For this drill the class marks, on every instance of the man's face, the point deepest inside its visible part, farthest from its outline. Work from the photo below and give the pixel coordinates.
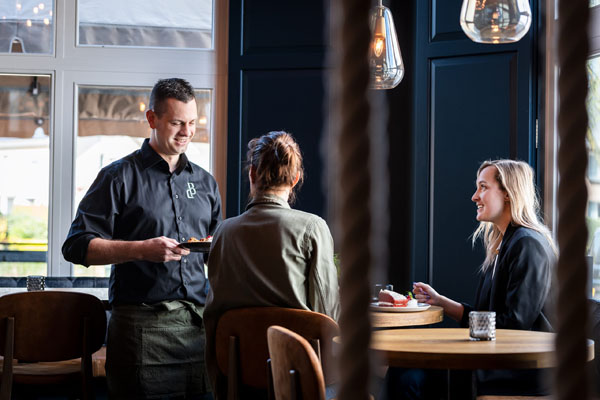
(174, 128)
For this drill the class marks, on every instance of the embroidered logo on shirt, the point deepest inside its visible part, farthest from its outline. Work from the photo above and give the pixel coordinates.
(191, 190)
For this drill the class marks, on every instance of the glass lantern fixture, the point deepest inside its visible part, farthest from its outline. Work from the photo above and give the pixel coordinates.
(495, 21)
(385, 59)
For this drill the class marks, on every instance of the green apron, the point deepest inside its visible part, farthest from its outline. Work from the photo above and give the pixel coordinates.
(156, 351)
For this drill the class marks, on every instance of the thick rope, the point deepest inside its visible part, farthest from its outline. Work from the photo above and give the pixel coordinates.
(350, 166)
(571, 379)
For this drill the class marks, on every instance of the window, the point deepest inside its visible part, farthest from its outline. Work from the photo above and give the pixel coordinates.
(592, 142)
(27, 26)
(183, 24)
(24, 162)
(67, 110)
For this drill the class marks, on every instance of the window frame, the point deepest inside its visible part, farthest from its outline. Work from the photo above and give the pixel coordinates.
(71, 66)
(551, 104)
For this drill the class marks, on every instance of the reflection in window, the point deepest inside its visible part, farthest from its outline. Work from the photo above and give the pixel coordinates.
(593, 143)
(26, 26)
(594, 3)
(112, 124)
(182, 24)
(24, 184)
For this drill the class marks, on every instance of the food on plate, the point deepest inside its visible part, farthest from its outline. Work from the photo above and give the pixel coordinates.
(389, 298)
(206, 239)
(412, 302)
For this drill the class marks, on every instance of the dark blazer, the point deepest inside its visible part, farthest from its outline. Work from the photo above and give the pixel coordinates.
(520, 292)
(519, 289)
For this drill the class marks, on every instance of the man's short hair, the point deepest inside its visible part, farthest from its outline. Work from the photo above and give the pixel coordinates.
(170, 88)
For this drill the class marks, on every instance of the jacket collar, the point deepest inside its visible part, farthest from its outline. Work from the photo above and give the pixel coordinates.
(510, 230)
(268, 199)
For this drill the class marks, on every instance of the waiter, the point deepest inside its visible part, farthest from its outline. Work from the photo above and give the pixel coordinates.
(134, 216)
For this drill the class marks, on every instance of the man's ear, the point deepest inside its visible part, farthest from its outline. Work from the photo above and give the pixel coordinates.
(252, 174)
(151, 118)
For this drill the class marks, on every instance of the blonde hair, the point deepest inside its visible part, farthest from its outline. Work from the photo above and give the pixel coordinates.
(516, 179)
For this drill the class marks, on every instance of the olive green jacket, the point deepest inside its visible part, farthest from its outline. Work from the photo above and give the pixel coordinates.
(271, 256)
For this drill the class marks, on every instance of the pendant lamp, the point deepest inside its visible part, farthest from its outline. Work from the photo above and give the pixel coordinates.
(495, 21)
(385, 60)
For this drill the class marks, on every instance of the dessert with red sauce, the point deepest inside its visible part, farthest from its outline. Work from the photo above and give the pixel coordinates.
(389, 298)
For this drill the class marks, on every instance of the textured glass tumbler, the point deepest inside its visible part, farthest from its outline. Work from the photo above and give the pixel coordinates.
(482, 325)
(36, 282)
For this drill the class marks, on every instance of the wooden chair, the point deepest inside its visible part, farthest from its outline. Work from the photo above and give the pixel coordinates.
(297, 372)
(242, 350)
(41, 333)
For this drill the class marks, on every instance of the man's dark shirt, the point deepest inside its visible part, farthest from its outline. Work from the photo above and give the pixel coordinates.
(137, 198)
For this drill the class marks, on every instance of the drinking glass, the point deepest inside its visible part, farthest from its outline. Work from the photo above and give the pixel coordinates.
(482, 325)
(36, 282)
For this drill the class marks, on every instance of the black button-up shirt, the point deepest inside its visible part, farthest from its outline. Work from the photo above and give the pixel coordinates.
(138, 198)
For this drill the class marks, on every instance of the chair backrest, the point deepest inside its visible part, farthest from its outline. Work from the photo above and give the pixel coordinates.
(49, 325)
(297, 372)
(249, 326)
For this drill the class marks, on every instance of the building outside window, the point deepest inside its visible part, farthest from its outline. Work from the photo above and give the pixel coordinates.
(592, 142)
(75, 78)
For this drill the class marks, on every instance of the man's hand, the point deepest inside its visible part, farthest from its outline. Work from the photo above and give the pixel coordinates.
(162, 249)
(159, 249)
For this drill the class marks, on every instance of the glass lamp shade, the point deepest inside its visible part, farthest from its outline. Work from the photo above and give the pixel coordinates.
(385, 60)
(495, 21)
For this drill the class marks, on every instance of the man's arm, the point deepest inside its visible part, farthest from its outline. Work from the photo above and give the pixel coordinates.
(160, 249)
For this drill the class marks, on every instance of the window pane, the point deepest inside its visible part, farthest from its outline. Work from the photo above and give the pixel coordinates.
(593, 143)
(25, 166)
(594, 3)
(182, 24)
(26, 26)
(112, 124)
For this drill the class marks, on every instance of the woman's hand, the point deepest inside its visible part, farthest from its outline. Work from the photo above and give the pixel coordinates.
(426, 294)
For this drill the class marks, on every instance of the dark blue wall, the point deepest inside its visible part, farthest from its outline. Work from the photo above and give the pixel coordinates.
(276, 61)
(472, 102)
(458, 104)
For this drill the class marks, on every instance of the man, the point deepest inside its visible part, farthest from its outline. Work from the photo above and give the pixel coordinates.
(134, 215)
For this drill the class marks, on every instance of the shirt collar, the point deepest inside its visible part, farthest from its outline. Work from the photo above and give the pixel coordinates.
(151, 158)
(268, 199)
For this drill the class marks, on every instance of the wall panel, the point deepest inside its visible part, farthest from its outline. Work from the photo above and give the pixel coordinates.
(277, 100)
(473, 102)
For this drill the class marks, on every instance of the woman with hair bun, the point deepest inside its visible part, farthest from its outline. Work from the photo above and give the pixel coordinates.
(271, 255)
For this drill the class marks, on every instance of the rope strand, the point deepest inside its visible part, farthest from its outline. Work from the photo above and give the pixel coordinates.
(571, 379)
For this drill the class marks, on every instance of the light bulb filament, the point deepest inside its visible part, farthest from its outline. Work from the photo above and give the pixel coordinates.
(378, 46)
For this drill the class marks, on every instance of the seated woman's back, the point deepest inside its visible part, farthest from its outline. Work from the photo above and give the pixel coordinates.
(272, 255)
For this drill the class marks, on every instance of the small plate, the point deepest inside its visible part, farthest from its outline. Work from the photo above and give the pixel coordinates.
(196, 247)
(420, 307)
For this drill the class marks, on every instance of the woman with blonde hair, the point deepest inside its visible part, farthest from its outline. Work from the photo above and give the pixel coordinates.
(517, 271)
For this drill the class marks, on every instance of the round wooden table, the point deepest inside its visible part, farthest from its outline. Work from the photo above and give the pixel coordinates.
(451, 348)
(386, 319)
